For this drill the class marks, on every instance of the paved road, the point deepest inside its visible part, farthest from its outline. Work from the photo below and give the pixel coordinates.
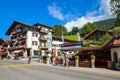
(41, 72)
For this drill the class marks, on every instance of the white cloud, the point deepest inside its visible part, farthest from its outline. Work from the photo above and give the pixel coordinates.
(102, 13)
(55, 11)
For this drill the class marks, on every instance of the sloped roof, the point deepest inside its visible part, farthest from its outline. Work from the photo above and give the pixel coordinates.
(110, 43)
(3, 40)
(14, 24)
(42, 25)
(93, 32)
(90, 48)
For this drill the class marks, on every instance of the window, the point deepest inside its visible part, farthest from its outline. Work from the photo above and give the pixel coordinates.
(115, 57)
(35, 34)
(35, 43)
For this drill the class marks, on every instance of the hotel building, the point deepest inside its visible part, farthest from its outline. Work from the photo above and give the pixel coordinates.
(26, 39)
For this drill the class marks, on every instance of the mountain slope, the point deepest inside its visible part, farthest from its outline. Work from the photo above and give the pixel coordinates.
(105, 24)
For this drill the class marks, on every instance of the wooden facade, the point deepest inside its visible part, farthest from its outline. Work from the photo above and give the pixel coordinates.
(96, 34)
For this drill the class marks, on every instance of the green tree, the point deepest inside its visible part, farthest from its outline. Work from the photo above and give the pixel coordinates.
(115, 9)
(116, 31)
(75, 30)
(87, 28)
(105, 38)
(59, 30)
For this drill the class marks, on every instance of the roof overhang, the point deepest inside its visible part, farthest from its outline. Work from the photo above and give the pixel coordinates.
(83, 49)
(14, 24)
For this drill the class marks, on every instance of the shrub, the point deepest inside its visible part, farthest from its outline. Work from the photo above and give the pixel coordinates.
(92, 56)
(87, 43)
(77, 57)
(46, 56)
(53, 56)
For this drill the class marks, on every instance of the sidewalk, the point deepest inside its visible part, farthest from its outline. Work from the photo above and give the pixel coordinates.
(96, 70)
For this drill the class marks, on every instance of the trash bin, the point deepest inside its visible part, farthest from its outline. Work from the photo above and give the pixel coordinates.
(110, 65)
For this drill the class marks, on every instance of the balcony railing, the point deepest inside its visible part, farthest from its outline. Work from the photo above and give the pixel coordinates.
(22, 38)
(43, 39)
(42, 47)
(18, 47)
(13, 40)
(44, 31)
(15, 32)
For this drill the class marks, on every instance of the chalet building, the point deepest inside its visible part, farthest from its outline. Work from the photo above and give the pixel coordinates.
(26, 39)
(113, 46)
(102, 54)
(96, 34)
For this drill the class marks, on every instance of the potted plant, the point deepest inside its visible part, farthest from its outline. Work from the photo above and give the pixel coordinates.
(53, 58)
(77, 61)
(40, 59)
(47, 59)
(92, 57)
(117, 65)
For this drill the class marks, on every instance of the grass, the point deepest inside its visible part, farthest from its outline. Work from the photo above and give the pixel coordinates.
(72, 37)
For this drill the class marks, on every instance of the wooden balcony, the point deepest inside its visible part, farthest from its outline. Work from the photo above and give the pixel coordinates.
(43, 39)
(17, 47)
(42, 47)
(15, 32)
(22, 38)
(13, 40)
(44, 31)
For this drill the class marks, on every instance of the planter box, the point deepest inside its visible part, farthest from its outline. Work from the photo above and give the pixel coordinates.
(110, 65)
(116, 65)
(77, 63)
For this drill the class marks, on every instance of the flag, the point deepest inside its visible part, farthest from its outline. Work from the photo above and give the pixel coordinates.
(62, 39)
(78, 35)
(55, 51)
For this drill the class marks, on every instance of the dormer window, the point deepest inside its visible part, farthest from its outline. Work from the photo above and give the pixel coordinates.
(39, 26)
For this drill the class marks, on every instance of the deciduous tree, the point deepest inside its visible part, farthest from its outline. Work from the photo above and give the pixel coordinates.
(115, 9)
(59, 30)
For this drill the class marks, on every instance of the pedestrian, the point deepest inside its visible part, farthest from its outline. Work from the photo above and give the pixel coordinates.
(29, 59)
(67, 62)
(64, 61)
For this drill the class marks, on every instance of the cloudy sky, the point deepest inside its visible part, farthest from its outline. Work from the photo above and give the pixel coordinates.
(50, 12)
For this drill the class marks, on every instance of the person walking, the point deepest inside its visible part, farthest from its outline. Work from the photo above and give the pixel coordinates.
(29, 59)
(64, 61)
(29, 56)
(67, 62)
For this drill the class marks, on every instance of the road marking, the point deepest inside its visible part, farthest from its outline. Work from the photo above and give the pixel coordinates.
(6, 67)
(13, 65)
(17, 65)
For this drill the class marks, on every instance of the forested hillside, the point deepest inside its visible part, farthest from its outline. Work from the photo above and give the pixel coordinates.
(105, 24)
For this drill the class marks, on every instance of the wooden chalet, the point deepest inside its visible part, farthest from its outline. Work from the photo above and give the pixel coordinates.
(96, 34)
(102, 54)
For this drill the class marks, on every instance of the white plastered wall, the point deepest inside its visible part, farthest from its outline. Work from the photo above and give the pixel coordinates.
(113, 50)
